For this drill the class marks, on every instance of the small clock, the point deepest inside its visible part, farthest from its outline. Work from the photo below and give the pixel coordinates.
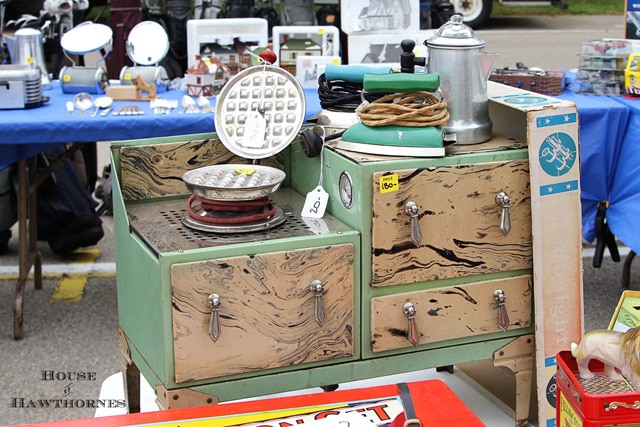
(346, 189)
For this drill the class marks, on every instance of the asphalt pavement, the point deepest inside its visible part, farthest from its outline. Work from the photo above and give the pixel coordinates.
(71, 344)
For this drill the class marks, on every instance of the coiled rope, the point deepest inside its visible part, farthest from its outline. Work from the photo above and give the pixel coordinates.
(413, 109)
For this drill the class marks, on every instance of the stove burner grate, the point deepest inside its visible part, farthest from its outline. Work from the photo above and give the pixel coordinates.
(212, 213)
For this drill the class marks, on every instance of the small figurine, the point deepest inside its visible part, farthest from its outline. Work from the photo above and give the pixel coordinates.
(618, 351)
(143, 87)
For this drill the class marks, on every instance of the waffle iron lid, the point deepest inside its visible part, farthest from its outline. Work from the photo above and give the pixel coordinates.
(260, 111)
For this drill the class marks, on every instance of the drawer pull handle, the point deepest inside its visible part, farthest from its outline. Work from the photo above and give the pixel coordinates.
(412, 209)
(503, 317)
(318, 291)
(214, 321)
(502, 199)
(409, 310)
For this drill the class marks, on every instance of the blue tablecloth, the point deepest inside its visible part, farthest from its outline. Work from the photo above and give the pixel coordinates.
(610, 163)
(24, 133)
(623, 214)
(603, 123)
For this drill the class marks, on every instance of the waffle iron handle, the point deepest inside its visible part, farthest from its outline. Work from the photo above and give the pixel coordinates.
(401, 82)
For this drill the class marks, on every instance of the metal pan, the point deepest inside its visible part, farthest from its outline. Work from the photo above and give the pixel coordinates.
(233, 181)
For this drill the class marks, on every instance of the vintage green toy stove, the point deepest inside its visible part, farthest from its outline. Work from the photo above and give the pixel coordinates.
(417, 263)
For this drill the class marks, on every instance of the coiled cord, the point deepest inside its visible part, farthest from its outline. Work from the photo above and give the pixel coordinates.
(413, 109)
(340, 95)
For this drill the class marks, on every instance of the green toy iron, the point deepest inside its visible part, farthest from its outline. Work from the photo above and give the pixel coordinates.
(396, 140)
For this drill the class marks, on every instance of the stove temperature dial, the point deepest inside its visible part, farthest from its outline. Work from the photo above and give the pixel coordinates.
(346, 189)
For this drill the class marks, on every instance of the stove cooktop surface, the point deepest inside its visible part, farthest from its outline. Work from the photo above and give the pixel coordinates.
(160, 225)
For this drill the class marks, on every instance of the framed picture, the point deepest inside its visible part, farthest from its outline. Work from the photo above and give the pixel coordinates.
(309, 68)
(380, 16)
(632, 18)
(627, 314)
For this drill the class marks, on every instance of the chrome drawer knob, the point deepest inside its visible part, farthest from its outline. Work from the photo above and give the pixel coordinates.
(503, 200)
(214, 320)
(412, 209)
(503, 318)
(409, 310)
(318, 291)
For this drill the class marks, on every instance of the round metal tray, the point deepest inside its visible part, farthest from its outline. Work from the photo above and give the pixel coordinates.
(233, 181)
(274, 96)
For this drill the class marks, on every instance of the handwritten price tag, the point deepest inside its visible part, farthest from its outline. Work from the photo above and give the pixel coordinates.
(255, 131)
(316, 203)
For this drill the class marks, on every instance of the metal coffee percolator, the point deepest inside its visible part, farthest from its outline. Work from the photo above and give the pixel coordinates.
(464, 68)
(27, 48)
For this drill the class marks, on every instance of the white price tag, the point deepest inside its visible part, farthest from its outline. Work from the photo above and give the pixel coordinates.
(254, 131)
(315, 203)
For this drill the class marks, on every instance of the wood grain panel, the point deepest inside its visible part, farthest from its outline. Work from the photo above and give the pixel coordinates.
(152, 171)
(459, 220)
(451, 312)
(266, 314)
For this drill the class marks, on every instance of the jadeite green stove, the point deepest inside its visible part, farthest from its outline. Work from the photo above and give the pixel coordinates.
(417, 263)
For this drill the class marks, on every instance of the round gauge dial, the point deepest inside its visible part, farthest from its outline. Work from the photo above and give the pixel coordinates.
(346, 190)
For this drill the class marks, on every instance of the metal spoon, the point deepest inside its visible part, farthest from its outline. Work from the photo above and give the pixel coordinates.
(101, 102)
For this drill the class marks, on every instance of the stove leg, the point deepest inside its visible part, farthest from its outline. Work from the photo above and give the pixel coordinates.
(182, 398)
(518, 357)
(130, 377)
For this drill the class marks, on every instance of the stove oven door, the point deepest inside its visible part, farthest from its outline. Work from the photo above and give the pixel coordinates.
(276, 310)
(450, 221)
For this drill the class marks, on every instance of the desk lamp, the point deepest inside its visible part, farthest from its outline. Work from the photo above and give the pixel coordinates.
(86, 38)
(147, 45)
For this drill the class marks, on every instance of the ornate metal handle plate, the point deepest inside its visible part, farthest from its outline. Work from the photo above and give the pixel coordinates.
(503, 318)
(503, 200)
(412, 209)
(318, 291)
(409, 310)
(214, 320)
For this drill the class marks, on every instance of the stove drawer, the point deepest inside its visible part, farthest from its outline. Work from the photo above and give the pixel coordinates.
(451, 312)
(458, 215)
(268, 316)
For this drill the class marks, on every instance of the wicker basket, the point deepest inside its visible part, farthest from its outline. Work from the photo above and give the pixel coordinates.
(549, 83)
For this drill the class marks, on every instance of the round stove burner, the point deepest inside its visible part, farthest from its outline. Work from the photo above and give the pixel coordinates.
(224, 212)
(215, 221)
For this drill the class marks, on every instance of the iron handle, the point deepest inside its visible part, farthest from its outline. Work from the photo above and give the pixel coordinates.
(214, 320)
(412, 209)
(503, 200)
(413, 336)
(503, 318)
(318, 291)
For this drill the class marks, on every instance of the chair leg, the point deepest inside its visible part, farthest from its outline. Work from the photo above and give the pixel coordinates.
(626, 270)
